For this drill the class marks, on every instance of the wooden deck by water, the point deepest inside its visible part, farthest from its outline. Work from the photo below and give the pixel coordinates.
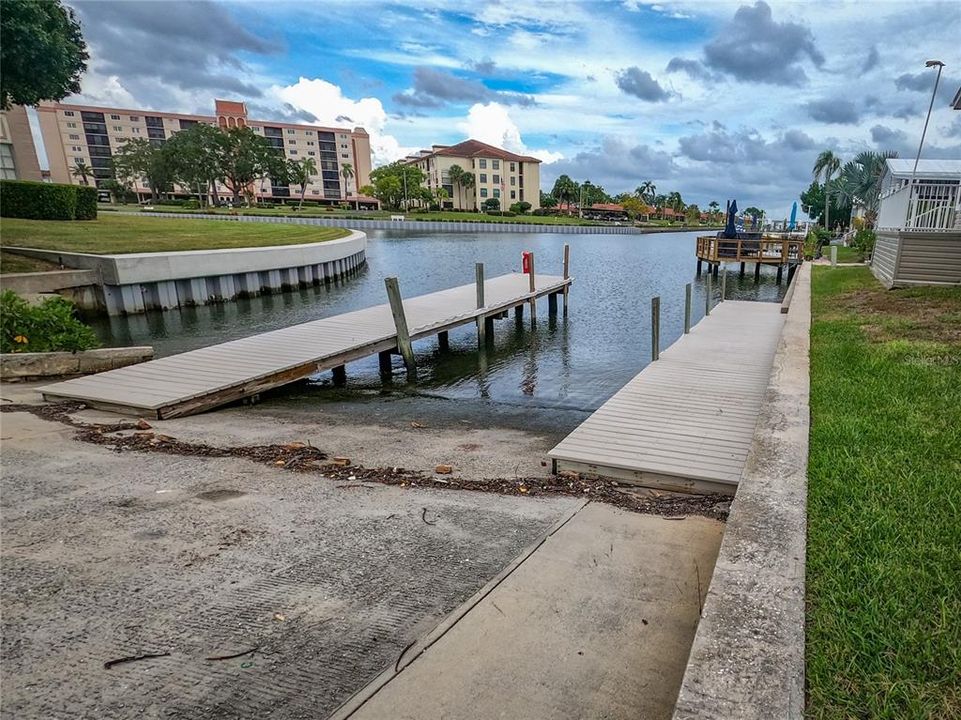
(685, 422)
(202, 379)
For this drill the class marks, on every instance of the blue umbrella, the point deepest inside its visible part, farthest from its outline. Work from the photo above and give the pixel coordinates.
(793, 216)
(730, 230)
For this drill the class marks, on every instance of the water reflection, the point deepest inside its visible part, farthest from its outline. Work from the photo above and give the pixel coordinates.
(576, 362)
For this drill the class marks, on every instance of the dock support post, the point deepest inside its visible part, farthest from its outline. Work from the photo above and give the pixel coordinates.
(723, 284)
(699, 263)
(443, 341)
(567, 274)
(400, 324)
(708, 291)
(655, 327)
(533, 300)
(552, 304)
(687, 308)
(717, 267)
(834, 256)
(780, 273)
(757, 272)
(481, 321)
(742, 269)
(519, 312)
(791, 269)
(383, 359)
(340, 375)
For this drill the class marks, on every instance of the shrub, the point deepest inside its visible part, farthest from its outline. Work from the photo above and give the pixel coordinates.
(86, 203)
(520, 207)
(541, 211)
(191, 204)
(492, 204)
(864, 240)
(37, 200)
(48, 327)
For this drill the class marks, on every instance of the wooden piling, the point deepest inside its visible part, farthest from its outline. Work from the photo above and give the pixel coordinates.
(655, 327)
(780, 273)
(443, 341)
(709, 290)
(757, 272)
(742, 269)
(533, 300)
(567, 273)
(699, 267)
(717, 267)
(552, 304)
(723, 284)
(687, 308)
(340, 374)
(481, 324)
(400, 325)
(384, 360)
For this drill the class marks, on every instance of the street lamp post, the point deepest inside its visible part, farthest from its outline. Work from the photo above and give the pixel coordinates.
(930, 63)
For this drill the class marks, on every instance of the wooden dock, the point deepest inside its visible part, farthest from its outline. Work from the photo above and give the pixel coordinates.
(686, 421)
(782, 252)
(199, 380)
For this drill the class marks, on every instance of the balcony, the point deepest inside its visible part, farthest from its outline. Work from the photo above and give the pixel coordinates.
(923, 206)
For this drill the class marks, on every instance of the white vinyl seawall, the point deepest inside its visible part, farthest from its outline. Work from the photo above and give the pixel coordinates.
(135, 282)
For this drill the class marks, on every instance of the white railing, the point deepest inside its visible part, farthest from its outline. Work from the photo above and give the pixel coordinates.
(931, 206)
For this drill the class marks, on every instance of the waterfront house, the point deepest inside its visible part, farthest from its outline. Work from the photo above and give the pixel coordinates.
(919, 224)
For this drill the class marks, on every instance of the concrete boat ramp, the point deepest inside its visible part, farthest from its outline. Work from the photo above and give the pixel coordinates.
(202, 379)
(685, 422)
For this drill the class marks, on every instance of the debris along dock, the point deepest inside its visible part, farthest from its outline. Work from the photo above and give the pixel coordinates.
(199, 380)
(686, 421)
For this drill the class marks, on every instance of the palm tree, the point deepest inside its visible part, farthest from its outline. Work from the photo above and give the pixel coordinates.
(859, 181)
(675, 202)
(347, 171)
(81, 170)
(456, 174)
(646, 191)
(300, 172)
(441, 195)
(467, 182)
(825, 166)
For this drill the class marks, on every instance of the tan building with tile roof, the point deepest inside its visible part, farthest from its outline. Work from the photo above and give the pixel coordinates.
(498, 173)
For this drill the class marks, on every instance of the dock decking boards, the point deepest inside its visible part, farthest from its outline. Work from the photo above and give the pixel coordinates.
(199, 380)
(686, 421)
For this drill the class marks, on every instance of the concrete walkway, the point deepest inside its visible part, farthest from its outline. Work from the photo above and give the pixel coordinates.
(596, 622)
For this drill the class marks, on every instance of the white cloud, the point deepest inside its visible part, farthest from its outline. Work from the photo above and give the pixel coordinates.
(491, 123)
(333, 109)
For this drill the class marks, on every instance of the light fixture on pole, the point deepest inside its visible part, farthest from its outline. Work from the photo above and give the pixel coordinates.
(930, 63)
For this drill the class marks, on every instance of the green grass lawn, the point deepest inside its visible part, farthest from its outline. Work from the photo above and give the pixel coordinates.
(129, 234)
(848, 255)
(12, 263)
(884, 513)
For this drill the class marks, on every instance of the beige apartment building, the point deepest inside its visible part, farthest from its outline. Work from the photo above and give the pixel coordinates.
(18, 157)
(500, 174)
(91, 135)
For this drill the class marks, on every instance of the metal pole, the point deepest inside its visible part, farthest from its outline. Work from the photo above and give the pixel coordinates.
(723, 283)
(533, 289)
(917, 159)
(567, 273)
(707, 296)
(655, 327)
(687, 308)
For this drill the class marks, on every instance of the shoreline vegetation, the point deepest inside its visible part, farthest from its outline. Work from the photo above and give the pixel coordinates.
(884, 570)
(129, 234)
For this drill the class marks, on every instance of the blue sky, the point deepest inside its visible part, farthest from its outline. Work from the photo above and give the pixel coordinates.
(714, 99)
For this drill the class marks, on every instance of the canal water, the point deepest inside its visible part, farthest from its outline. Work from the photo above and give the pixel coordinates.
(573, 364)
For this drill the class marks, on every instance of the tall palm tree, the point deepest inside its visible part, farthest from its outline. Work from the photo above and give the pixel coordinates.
(347, 171)
(467, 182)
(300, 171)
(81, 170)
(646, 191)
(825, 166)
(859, 181)
(456, 174)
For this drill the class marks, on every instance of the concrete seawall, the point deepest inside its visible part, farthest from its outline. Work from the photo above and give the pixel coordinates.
(429, 225)
(132, 283)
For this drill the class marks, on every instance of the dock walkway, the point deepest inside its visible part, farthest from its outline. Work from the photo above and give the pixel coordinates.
(199, 380)
(685, 422)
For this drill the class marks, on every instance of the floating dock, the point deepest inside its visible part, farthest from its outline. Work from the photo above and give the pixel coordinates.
(199, 380)
(686, 421)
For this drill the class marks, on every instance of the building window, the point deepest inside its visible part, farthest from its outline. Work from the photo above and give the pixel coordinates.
(309, 132)
(311, 152)
(76, 148)
(343, 137)
(496, 164)
(497, 178)
(513, 180)
(293, 152)
(117, 128)
(483, 163)
(345, 155)
(135, 130)
(134, 118)
(291, 131)
(484, 192)
(513, 195)
(68, 113)
(497, 193)
(310, 142)
(291, 142)
(315, 192)
(512, 167)
(114, 117)
(74, 137)
(483, 176)
(8, 169)
(344, 147)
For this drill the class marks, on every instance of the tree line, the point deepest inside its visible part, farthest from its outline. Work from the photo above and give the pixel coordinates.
(202, 157)
(856, 182)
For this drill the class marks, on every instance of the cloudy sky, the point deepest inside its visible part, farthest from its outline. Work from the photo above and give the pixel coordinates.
(713, 99)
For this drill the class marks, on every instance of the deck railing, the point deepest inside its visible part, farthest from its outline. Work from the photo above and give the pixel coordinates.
(931, 207)
(780, 251)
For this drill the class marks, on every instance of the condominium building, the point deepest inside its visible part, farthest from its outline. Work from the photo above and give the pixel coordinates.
(18, 157)
(497, 173)
(91, 135)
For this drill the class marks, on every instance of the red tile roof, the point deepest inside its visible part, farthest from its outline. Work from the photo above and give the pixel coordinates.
(476, 148)
(610, 207)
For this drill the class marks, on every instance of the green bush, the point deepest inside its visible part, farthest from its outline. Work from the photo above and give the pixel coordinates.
(86, 203)
(48, 327)
(191, 204)
(37, 200)
(864, 240)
